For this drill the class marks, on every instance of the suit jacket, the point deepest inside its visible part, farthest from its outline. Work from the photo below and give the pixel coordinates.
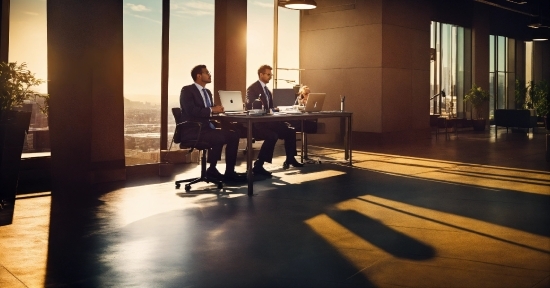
(192, 109)
(254, 92)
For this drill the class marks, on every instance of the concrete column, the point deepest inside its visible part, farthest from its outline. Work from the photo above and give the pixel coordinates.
(230, 46)
(85, 71)
(4, 30)
(480, 50)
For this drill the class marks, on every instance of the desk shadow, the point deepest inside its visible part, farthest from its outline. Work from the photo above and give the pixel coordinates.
(393, 242)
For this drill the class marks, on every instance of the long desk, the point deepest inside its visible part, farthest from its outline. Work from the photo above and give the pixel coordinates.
(249, 120)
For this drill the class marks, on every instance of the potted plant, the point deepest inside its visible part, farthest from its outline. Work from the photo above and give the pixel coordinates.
(15, 88)
(538, 93)
(478, 98)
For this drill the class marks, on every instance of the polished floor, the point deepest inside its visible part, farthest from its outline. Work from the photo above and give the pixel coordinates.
(472, 211)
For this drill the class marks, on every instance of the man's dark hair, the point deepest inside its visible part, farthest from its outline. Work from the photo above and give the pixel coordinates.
(197, 70)
(263, 68)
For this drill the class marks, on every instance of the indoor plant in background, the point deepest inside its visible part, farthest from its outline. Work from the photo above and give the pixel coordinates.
(479, 99)
(15, 88)
(538, 92)
(521, 94)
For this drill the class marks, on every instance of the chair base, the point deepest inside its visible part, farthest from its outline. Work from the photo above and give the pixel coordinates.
(197, 180)
(203, 177)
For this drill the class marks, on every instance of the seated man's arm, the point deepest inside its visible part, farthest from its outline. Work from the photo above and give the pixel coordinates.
(251, 95)
(189, 105)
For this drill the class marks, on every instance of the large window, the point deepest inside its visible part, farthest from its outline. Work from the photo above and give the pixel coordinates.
(28, 43)
(447, 77)
(260, 23)
(501, 72)
(191, 43)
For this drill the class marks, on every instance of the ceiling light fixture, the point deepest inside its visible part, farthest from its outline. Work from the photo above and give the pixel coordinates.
(516, 2)
(540, 35)
(300, 4)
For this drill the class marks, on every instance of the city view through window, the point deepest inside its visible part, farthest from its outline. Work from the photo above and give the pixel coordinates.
(191, 26)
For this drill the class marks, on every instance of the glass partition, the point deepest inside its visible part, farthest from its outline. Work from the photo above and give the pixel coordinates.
(259, 49)
(28, 44)
(501, 73)
(189, 20)
(447, 69)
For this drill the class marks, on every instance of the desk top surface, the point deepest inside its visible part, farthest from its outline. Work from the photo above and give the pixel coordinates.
(283, 116)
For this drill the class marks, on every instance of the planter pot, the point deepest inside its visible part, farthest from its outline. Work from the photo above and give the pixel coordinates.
(479, 124)
(13, 128)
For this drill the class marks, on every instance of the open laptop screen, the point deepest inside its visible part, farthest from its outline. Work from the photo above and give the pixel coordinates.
(315, 102)
(283, 97)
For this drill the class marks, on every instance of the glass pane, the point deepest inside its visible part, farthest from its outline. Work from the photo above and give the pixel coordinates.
(447, 69)
(491, 53)
(142, 62)
(188, 20)
(501, 54)
(491, 92)
(28, 44)
(501, 92)
(288, 52)
(259, 49)
(460, 73)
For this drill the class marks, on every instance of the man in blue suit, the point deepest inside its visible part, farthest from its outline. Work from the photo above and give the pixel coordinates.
(258, 95)
(197, 105)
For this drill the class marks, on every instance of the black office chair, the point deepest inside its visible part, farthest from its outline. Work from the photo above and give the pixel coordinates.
(192, 145)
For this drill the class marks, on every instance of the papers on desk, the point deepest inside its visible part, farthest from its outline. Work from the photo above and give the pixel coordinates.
(292, 112)
(234, 113)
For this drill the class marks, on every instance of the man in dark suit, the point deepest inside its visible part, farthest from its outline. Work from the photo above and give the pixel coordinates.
(257, 96)
(197, 105)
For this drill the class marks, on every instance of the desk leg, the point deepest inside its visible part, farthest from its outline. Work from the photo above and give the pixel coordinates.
(249, 156)
(348, 146)
(346, 139)
(303, 152)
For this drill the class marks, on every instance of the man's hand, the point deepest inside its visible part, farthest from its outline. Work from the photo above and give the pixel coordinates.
(217, 109)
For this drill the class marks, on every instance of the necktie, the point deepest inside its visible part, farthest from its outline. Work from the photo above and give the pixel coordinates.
(206, 98)
(267, 96)
(208, 104)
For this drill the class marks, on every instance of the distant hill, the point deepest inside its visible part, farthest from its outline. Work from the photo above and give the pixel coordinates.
(137, 105)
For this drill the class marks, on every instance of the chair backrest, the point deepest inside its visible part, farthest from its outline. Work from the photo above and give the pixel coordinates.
(176, 111)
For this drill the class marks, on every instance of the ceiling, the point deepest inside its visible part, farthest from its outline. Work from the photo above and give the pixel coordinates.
(540, 8)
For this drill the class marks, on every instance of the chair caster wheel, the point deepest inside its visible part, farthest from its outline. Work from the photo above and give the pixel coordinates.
(177, 186)
(187, 187)
(220, 185)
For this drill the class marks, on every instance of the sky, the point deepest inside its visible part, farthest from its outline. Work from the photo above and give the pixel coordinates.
(191, 26)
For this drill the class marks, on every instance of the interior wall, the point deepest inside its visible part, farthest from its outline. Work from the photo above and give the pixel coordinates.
(541, 61)
(85, 71)
(376, 53)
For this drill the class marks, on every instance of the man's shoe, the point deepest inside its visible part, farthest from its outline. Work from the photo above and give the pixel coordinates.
(213, 173)
(259, 170)
(234, 177)
(292, 162)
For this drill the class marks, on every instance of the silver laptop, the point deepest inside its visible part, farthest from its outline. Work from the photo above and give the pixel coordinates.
(315, 102)
(283, 97)
(232, 101)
